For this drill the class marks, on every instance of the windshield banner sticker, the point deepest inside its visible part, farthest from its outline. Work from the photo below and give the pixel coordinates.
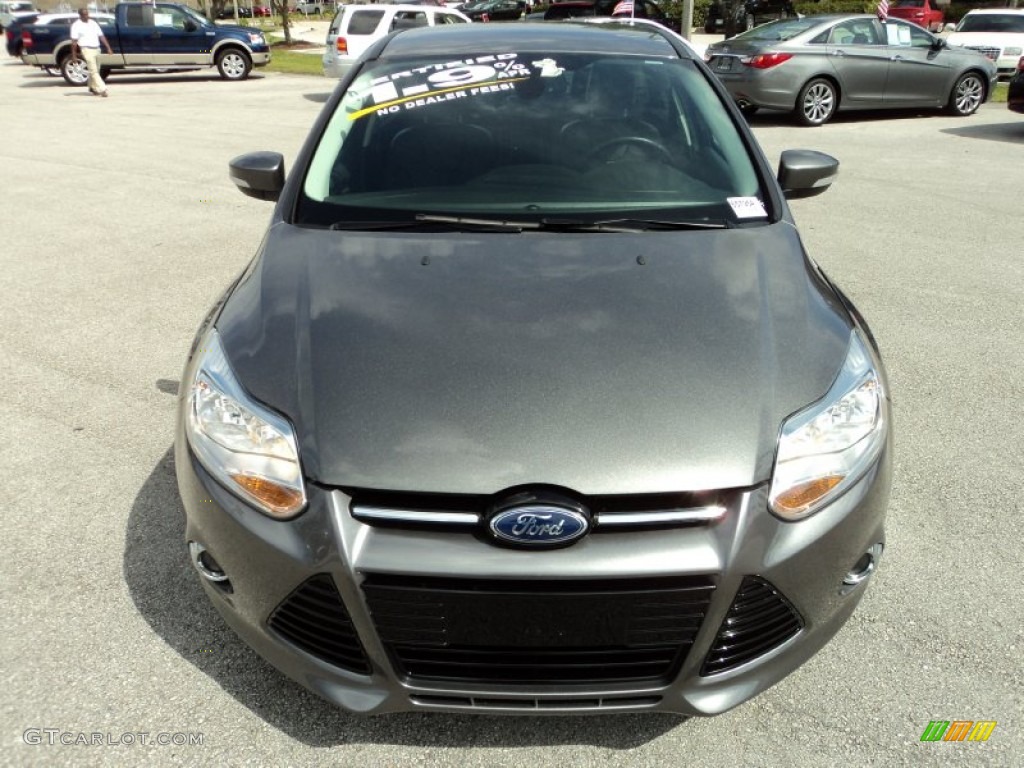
(436, 83)
(747, 207)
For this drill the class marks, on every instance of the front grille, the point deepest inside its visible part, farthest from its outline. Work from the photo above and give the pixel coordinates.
(314, 618)
(759, 619)
(537, 632)
(469, 513)
(986, 51)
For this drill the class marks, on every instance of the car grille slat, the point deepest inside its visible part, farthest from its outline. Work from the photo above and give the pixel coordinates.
(539, 632)
(511, 665)
(986, 51)
(611, 514)
(759, 620)
(314, 618)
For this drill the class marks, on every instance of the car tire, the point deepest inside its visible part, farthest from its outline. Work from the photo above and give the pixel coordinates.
(105, 72)
(74, 71)
(233, 64)
(748, 110)
(817, 102)
(967, 95)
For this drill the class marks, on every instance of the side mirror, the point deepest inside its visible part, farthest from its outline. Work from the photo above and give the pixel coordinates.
(190, 25)
(806, 173)
(949, 27)
(258, 174)
(939, 44)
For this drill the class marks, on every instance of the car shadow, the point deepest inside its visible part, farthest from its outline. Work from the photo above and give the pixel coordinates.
(166, 592)
(1011, 131)
(318, 98)
(778, 117)
(41, 79)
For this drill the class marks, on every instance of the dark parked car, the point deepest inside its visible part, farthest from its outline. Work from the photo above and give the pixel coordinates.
(1015, 95)
(747, 14)
(818, 65)
(531, 400)
(228, 12)
(642, 9)
(495, 10)
(12, 33)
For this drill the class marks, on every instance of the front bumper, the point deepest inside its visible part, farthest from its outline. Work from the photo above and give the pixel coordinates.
(351, 649)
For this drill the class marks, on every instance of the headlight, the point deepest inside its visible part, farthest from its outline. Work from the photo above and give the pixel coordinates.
(251, 450)
(256, 38)
(826, 448)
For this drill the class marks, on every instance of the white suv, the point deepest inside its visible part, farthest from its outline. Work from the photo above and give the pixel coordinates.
(13, 9)
(998, 33)
(356, 27)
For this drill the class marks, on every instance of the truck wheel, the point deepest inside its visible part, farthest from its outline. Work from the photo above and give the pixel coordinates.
(233, 64)
(74, 71)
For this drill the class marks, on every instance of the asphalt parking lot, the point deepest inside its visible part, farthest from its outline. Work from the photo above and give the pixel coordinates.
(119, 227)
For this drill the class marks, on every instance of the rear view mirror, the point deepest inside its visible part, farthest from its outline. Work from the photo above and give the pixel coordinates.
(805, 173)
(258, 174)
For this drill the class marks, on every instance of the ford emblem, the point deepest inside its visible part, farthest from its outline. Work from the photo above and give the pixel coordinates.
(538, 525)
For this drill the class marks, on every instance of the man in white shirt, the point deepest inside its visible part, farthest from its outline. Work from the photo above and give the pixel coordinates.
(86, 37)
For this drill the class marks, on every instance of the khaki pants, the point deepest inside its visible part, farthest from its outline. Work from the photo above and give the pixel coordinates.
(91, 56)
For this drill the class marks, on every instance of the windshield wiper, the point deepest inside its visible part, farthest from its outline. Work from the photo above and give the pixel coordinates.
(629, 225)
(425, 222)
(373, 226)
(479, 225)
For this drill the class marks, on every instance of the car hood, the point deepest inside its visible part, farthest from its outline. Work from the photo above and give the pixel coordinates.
(471, 363)
(987, 39)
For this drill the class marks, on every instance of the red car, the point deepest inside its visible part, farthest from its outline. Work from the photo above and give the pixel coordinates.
(261, 10)
(924, 13)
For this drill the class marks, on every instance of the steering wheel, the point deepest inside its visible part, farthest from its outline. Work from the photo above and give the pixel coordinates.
(648, 145)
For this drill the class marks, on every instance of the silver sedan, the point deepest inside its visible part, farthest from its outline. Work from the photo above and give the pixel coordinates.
(817, 65)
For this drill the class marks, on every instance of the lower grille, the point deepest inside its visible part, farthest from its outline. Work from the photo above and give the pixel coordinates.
(314, 618)
(478, 702)
(537, 632)
(759, 620)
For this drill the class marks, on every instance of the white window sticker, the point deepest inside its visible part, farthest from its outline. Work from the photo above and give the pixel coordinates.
(436, 83)
(747, 207)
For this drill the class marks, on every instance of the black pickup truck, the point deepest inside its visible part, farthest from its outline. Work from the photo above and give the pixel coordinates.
(148, 36)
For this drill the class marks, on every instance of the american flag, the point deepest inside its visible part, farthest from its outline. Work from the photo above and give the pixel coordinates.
(623, 7)
(883, 9)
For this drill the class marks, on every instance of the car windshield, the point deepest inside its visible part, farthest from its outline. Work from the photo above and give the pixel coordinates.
(784, 29)
(992, 22)
(528, 136)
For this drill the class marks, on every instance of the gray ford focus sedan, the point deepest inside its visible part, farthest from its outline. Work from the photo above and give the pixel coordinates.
(531, 400)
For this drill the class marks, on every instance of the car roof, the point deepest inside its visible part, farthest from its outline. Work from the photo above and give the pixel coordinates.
(995, 11)
(563, 37)
(395, 7)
